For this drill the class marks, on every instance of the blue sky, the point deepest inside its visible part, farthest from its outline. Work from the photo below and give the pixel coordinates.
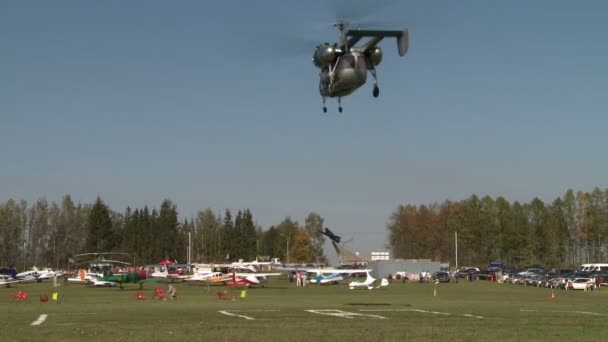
(215, 105)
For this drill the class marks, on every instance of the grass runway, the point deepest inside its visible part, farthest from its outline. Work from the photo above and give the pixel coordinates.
(478, 311)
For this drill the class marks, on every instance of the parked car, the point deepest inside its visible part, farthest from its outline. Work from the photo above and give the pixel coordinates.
(580, 283)
(484, 275)
(465, 271)
(442, 277)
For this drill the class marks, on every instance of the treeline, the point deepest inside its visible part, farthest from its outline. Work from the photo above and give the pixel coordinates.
(51, 234)
(571, 230)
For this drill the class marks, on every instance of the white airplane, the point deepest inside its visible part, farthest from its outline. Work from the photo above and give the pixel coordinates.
(368, 283)
(211, 277)
(39, 274)
(160, 271)
(8, 280)
(85, 277)
(260, 277)
(332, 275)
(253, 266)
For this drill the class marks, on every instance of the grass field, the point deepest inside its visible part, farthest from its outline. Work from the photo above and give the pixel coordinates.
(478, 311)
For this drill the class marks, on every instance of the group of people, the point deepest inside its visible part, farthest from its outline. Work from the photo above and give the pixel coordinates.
(301, 278)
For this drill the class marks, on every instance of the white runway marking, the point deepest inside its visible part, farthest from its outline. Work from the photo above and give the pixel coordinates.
(418, 310)
(407, 310)
(565, 311)
(235, 315)
(589, 313)
(343, 314)
(40, 319)
(472, 316)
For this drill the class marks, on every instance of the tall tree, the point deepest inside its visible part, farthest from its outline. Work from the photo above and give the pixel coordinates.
(249, 238)
(313, 223)
(286, 230)
(100, 237)
(168, 228)
(301, 250)
(227, 232)
(569, 205)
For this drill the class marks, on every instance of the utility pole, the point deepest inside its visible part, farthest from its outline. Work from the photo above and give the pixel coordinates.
(189, 247)
(287, 237)
(456, 246)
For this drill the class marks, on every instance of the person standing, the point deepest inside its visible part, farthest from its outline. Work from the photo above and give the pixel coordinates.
(172, 292)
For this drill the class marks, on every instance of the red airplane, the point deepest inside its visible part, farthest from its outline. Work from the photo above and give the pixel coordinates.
(242, 281)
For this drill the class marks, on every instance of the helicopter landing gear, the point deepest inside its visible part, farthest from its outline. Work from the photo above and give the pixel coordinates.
(324, 108)
(376, 91)
(339, 105)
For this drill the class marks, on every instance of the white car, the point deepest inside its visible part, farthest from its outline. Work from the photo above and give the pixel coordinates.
(580, 283)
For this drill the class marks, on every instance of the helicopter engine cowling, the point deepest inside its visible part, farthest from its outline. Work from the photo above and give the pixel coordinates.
(375, 55)
(324, 55)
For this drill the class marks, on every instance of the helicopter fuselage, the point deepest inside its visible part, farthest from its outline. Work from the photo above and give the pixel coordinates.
(345, 75)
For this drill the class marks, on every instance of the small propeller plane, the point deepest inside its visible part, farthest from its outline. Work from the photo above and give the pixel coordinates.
(7, 280)
(368, 283)
(39, 274)
(332, 275)
(242, 281)
(209, 278)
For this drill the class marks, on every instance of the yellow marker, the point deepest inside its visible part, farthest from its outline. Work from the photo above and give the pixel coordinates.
(435, 293)
(243, 294)
(55, 296)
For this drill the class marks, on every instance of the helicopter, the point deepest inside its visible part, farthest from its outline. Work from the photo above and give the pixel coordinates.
(344, 65)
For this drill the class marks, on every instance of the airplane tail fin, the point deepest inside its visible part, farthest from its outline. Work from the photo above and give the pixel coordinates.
(369, 279)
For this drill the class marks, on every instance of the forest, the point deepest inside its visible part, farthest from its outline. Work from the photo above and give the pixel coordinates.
(567, 232)
(51, 234)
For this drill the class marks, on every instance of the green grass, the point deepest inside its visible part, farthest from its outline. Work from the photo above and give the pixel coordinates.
(279, 312)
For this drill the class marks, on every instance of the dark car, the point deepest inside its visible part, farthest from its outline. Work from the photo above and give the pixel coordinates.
(442, 277)
(484, 275)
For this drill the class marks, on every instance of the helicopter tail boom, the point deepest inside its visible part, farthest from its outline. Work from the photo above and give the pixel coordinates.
(402, 37)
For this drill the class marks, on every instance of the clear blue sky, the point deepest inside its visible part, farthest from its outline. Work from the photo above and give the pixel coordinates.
(211, 104)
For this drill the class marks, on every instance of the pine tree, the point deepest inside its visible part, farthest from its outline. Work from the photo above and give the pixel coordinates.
(100, 237)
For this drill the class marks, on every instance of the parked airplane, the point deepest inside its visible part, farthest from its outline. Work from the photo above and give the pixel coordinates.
(368, 283)
(166, 271)
(85, 277)
(242, 281)
(8, 280)
(210, 278)
(39, 274)
(332, 275)
(10, 272)
(123, 278)
(320, 278)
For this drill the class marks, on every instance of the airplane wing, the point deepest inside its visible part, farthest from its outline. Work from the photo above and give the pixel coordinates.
(8, 281)
(258, 275)
(338, 270)
(354, 35)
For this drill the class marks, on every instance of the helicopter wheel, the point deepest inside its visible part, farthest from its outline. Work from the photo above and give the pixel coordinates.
(340, 109)
(376, 91)
(324, 109)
